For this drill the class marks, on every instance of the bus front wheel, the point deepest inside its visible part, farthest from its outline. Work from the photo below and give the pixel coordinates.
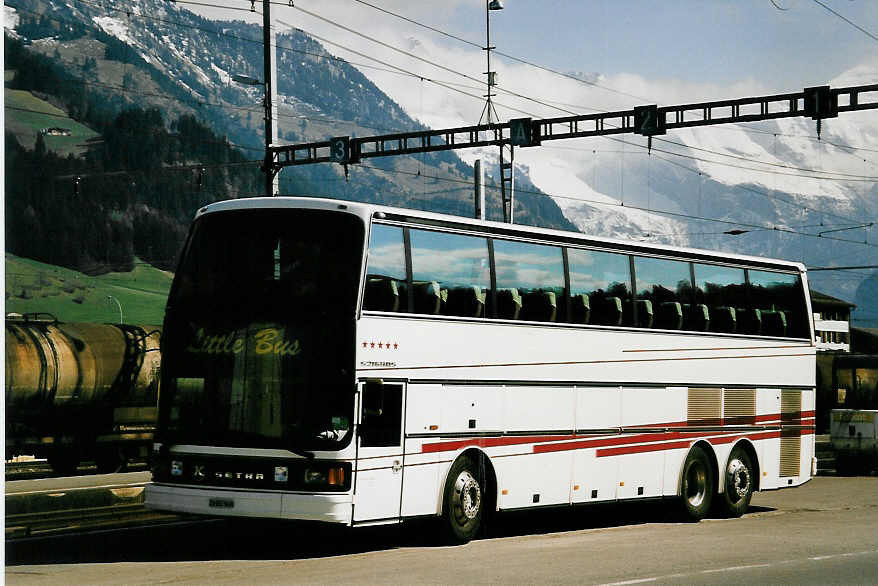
(697, 485)
(739, 479)
(463, 504)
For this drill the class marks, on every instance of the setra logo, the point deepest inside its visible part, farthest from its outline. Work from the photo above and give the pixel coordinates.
(239, 475)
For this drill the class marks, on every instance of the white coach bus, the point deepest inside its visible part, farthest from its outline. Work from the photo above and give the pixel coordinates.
(356, 364)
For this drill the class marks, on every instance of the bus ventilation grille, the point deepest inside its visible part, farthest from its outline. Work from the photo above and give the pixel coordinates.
(704, 406)
(790, 440)
(739, 406)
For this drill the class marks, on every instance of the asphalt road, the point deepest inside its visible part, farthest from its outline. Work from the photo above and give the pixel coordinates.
(825, 532)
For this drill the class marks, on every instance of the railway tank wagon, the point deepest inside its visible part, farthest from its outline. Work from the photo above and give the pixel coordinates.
(80, 391)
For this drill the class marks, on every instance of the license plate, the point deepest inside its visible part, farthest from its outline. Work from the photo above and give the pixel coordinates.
(222, 503)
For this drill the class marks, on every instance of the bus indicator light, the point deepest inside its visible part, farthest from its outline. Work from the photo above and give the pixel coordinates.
(336, 476)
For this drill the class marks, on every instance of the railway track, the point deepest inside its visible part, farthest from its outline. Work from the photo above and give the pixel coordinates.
(36, 469)
(64, 505)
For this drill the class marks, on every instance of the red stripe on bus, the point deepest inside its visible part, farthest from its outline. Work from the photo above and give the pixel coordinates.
(654, 447)
(491, 442)
(599, 441)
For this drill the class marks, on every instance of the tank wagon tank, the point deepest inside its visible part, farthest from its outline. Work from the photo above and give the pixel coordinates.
(80, 391)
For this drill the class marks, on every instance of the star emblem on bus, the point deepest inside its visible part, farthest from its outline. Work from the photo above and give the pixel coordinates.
(381, 345)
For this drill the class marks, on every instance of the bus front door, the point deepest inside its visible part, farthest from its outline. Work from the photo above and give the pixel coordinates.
(378, 480)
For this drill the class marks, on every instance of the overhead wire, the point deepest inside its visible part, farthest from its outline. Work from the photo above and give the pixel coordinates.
(550, 70)
(774, 228)
(535, 100)
(445, 84)
(847, 20)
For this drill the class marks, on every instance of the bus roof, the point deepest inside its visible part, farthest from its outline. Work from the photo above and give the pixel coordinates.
(366, 211)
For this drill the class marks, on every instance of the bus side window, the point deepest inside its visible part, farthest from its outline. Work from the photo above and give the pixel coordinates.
(600, 287)
(781, 303)
(663, 287)
(450, 273)
(721, 290)
(530, 281)
(386, 284)
(381, 423)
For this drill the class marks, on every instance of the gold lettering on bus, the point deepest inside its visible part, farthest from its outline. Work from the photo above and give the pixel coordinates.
(267, 341)
(270, 341)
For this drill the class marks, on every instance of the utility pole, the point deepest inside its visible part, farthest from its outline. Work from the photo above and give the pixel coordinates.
(479, 181)
(269, 38)
(489, 113)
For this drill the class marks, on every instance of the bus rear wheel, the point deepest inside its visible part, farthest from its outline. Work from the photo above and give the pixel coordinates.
(463, 504)
(740, 481)
(697, 485)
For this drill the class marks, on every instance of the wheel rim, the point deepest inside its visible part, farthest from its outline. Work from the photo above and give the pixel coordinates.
(696, 483)
(467, 498)
(737, 480)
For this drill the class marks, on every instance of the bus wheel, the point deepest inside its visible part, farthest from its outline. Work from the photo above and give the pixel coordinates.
(740, 479)
(463, 503)
(696, 488)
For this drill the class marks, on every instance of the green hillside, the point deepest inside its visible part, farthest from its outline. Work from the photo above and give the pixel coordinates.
(72, 296)
(26, 115)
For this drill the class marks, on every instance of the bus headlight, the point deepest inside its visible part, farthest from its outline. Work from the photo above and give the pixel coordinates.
(331, 476)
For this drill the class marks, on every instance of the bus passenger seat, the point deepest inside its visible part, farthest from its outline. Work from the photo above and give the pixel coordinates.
(508, 303)
(611, 312)
(580, 310)
(749, 321)
(645, 315)
(381, 295)
(443, 300)
(698, 319)
(724, 320)
(774, 323)
(539, 306)
(465, 302)
(427, 297)
(670, 315)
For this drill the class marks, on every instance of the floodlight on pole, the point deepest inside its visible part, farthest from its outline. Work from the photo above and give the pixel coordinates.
(489, 113)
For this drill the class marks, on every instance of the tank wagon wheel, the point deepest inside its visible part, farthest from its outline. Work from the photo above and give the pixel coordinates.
(740, 480)
(109, 461)
(463, 505)
(697, 485)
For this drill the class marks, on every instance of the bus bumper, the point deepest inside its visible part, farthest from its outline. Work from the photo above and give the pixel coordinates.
(328, 508)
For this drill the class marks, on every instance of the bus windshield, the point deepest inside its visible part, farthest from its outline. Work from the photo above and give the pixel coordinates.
(258, 345)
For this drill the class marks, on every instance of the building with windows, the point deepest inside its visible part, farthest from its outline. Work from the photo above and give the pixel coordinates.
(832, 322)
(832, 331)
